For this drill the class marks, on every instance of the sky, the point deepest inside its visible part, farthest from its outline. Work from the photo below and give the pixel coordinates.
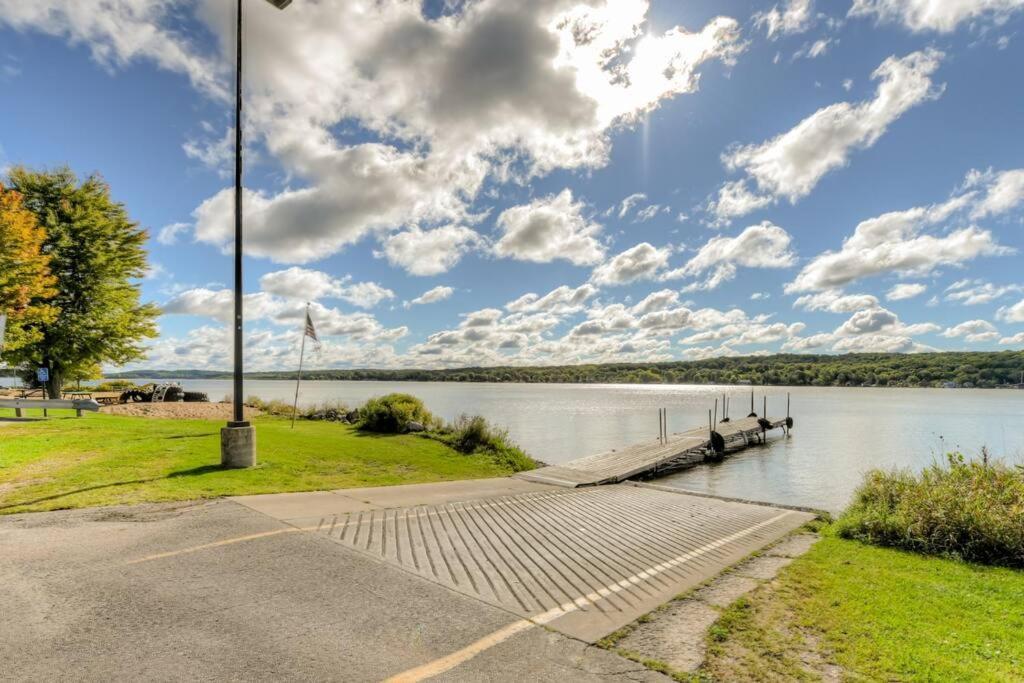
(477, 182)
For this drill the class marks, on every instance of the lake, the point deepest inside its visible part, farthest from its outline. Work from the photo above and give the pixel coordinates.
(839, 433)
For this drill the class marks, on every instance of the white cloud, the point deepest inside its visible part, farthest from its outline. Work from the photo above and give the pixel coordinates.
(549, 228)
(640, 262)
(432, 296)
(310, 285)
(1003, 191)
(283, 311)
(656, 301)
(796, 16)
(300, 283)
(811, 343)
(735, 199)
(894, 242)
(216, 152)
(648, 212)
(117, 34)
(759, 246)
(869, 321)
(429, 252)
(879, 343)
(560, 300)
(358, 189)
(942, 16)
(815, 49)
(706, 352)
(905, 290)
(973, 331)
(629, 203)
(168, 234)
(834, 301)
(1012, 314)
(881, 321)
(1015, 340)
(973, 292)
(365, 294)
(793, 163)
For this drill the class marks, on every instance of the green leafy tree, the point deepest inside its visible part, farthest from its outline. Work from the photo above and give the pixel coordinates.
(97, 255)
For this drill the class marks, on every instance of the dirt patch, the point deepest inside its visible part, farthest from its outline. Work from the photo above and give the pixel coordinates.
(187, 411)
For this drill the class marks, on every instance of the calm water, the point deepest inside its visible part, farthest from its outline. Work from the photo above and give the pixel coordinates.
(839, 432)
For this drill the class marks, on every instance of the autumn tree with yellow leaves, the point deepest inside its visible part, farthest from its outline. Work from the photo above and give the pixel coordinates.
(26, 284)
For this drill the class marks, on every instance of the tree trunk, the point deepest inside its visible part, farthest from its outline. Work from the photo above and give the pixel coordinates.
(53, 387)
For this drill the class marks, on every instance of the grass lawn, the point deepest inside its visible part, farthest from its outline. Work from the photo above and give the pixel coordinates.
(110, 460)
(859, 612)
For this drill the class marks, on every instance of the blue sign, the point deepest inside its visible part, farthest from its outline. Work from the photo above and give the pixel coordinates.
(43, 374)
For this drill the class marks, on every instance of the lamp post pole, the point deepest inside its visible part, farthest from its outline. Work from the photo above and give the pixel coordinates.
(238, 438)
(239, 416)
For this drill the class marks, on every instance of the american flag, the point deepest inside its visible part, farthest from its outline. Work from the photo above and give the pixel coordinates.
(311, 332)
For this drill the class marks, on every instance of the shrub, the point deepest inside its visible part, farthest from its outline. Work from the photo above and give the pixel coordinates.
(474, 435)
(391, 414)
(969, 510)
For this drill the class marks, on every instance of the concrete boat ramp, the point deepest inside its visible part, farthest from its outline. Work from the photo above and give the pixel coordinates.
(583, 561)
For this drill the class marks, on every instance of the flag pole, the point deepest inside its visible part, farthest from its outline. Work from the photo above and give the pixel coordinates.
(298, 377)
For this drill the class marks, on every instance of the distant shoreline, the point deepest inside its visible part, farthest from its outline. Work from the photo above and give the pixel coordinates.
(951, 369)
(945, 370)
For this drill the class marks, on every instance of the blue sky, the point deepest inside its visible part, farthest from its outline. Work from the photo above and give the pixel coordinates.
(551, 181)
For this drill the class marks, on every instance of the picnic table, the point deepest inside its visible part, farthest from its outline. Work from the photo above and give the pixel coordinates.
(77, 393)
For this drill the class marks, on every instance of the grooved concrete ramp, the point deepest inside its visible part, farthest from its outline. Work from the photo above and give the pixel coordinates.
(584, 561)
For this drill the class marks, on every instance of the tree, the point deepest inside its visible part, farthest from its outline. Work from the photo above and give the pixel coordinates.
(26, 285)
(95, 251)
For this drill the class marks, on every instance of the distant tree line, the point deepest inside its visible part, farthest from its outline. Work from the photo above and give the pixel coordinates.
(965, 369)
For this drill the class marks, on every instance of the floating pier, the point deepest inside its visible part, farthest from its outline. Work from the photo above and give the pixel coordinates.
(667, 452)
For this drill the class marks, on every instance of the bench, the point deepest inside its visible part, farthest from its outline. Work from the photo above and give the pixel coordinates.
(77, 405)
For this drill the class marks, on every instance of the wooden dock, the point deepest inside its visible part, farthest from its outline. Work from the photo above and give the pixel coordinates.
(668, 452)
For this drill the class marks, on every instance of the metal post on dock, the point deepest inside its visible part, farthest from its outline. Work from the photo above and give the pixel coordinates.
(660, 430)
(764, 421)
(715, 421)
(664, 423)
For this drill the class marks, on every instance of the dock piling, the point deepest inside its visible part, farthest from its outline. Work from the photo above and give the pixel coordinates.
(715, 421)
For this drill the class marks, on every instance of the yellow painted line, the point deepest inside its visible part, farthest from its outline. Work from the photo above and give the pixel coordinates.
(439, 666)
(218, 544)
(449, 662)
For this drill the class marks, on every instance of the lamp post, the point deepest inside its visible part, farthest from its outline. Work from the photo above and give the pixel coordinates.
(238, 438)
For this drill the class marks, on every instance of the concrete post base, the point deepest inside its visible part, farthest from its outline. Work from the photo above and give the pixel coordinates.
(238, 446)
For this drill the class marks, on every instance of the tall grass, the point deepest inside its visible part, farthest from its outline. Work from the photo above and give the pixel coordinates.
(473, 434)
(284, 409)
(971, 510)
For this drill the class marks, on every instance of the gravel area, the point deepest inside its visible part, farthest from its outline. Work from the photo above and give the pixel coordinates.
(194, 411)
